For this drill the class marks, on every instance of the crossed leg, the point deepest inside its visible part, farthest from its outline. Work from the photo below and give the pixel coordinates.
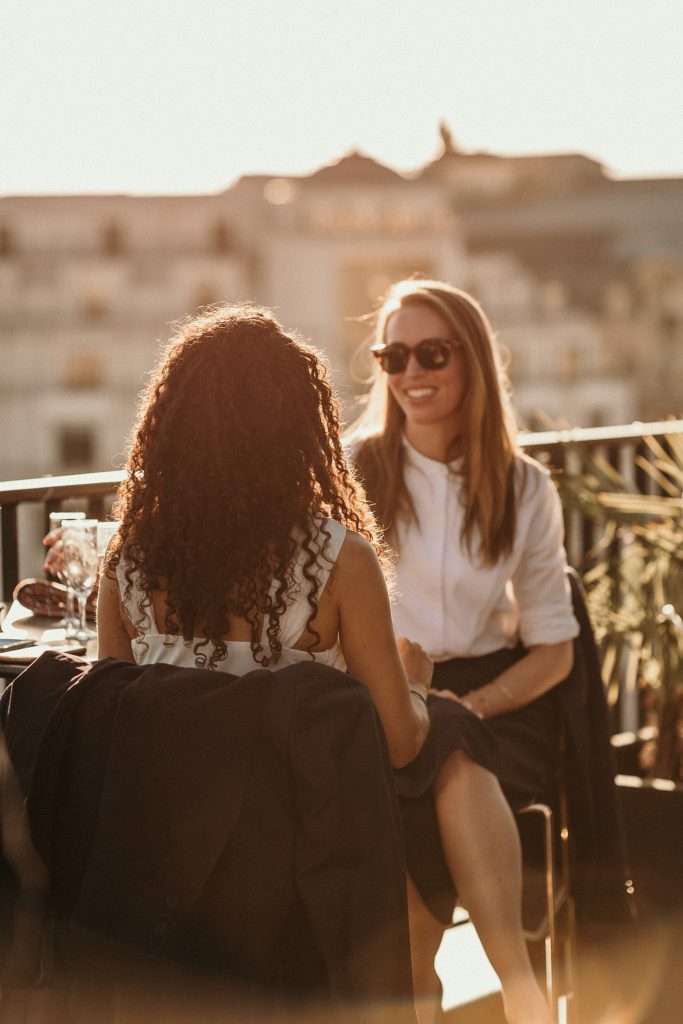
(482, 850)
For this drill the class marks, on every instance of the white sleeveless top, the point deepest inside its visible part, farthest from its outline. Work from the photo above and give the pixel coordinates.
(151, 646)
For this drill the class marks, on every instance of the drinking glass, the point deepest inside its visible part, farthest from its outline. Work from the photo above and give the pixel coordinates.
(69, 621)
(105, 532)
(79, 551)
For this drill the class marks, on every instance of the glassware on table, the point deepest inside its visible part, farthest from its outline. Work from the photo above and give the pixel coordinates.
(69, 621)
(80, 568)
(105, 532)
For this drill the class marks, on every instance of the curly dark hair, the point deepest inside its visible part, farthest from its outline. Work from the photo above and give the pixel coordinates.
(237, 447)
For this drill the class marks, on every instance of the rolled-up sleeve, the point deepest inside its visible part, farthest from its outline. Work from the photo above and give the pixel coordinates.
(540, 584)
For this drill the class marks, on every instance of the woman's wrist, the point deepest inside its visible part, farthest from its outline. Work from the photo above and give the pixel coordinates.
(491, 700)
(507, 694)
(418, 690)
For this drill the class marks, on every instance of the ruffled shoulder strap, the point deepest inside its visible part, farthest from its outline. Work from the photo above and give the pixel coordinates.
(136, 602)
(325, 545)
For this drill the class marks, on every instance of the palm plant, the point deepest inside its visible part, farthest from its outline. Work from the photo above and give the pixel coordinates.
(633, 577)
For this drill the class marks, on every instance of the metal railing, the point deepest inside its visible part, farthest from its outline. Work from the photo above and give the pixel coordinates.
(95, 489)
(556, 448)
(626, 448)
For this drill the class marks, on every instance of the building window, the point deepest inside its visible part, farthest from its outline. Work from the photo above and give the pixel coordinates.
(113, 243)
(7, 247)
(76, 447)
(669, 325)
(83, 371)
(221, 238)
(94, 305)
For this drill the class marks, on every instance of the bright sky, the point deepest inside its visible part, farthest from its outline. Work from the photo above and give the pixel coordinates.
(186, 95)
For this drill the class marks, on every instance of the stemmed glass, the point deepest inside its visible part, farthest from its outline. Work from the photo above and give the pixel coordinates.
(105, 532)
(79, 551)
(69, 620)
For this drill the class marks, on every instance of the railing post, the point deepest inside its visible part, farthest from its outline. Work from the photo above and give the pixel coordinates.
(10, 549)
(95, 508)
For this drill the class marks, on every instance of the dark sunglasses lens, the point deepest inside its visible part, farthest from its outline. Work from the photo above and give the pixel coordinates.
(393, 358)
(433, 354)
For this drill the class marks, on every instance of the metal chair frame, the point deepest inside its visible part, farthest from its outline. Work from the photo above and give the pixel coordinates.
(558, 927)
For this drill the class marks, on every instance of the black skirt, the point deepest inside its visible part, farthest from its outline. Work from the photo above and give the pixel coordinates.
(520, 748)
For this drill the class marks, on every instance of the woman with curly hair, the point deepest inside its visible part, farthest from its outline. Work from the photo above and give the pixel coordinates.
(480, 583)
(245, 541)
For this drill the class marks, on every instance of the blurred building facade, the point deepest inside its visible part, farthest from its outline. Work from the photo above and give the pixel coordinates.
(582, 277)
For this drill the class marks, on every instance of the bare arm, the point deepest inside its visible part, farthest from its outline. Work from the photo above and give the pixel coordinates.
(372, 655)
(113, 628)
(543, 667)
(546, 618)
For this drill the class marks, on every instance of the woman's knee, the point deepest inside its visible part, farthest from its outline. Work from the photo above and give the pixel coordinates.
(456, 764)
(461, 770)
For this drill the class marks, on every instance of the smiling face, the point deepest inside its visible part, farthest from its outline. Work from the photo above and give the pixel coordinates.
(430, 400)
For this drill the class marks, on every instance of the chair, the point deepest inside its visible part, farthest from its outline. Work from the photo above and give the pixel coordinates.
(235, 806)
(555, 924)
(584, 866)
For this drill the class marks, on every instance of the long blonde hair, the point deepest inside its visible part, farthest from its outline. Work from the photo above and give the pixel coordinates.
(488, 436)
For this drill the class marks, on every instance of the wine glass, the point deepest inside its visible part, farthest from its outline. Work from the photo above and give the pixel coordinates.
(105, 532)
(80, 567)
(69, 620)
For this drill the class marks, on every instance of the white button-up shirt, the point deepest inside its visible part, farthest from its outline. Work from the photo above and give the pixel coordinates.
(454, 604)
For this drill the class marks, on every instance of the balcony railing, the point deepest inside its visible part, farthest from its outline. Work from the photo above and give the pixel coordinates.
(95, 490)
(623, 446)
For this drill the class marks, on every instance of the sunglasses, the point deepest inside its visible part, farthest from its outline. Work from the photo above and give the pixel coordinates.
(431, 354)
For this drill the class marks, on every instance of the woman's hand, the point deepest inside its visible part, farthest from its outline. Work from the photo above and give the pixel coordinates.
(54, 559)
(543, 667)
(418, 665)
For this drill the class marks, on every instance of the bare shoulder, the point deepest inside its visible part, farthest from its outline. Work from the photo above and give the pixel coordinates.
(356, 549)
(111, 615)
(361, 594)
(357, 561)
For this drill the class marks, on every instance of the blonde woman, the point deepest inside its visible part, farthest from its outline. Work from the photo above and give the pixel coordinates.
(477, 531)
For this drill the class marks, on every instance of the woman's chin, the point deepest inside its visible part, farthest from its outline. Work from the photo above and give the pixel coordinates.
(429, 416)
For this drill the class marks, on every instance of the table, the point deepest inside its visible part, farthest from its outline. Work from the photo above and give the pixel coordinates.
(21, 623)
